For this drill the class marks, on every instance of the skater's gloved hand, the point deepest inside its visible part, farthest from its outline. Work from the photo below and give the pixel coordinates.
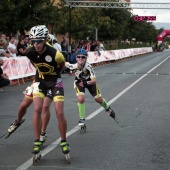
(85, 83)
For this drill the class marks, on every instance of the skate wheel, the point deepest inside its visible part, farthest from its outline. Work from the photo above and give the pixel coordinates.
(116, 120)
(83, 129)
(36, 158)
(22, 121)
(39, 158)
(67, 156)
(7, 135)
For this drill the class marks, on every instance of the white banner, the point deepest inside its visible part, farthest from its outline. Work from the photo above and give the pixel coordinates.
(21, 67)
(99, 56)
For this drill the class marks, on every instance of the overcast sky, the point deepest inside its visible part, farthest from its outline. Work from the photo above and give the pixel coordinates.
(162, 15)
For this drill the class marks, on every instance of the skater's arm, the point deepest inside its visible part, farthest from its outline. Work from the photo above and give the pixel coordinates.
(71, 66)
(59, 58)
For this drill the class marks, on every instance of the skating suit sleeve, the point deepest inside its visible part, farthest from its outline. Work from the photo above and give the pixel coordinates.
(59, 58)
(71, 66)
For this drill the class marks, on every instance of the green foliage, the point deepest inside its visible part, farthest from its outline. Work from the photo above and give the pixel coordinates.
(22, 15)
(112, 24)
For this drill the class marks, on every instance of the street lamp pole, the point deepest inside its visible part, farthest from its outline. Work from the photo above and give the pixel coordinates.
(69, 49)
(96, 34)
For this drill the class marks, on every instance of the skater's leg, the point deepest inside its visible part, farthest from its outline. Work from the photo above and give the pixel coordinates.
(81, 109)
(102, 102)
(38, 103)
(107, 108)
(45, 113)
(81, 106)
(21, 112)
(62, 123)
(45, 118)
(23, 108)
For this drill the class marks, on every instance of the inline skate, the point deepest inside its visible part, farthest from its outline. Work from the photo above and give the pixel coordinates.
(82, 125)
(111, 114)
(65, 149)
(13, 127)
(43, 138)
(36, 152)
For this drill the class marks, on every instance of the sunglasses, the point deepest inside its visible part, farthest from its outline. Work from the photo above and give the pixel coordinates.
(38, 41)
(79, 56)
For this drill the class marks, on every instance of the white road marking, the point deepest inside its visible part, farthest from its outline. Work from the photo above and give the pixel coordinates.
(53, 145)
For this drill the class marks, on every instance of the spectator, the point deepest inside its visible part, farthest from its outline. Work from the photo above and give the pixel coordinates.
(84, 44)
(26, 39)
(73, 47)
(3, 36)
(81, 44)
(16, 42)
(88, 46)
(64, 48)
(56, 45)
(21, 47)
(3, 52)
(4, 80)
(11, 47)
(29, 43)
(101, 46)
(73, 57)
(94, 46)
(78, 47)
(64, 44)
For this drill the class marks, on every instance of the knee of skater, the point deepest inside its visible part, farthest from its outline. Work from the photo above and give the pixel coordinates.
(81, 101)
(46, 108)
(98, 100)
(38, 109)
(60, 115)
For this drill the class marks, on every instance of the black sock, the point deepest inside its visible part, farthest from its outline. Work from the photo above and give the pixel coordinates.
(63, 140)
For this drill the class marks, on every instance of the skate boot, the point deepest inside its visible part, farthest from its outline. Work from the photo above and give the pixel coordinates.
(111, 114)
(82, 125)
(43, 137)
(36, 151)
(12, 128)
(65, 149)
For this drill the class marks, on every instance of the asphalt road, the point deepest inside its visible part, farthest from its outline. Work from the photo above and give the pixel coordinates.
(138, 91)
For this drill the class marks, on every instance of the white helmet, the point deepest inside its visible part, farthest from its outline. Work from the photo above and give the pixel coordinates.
(39, 32)
(51, 38)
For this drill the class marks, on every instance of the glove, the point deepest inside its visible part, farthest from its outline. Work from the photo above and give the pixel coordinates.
(68, 65)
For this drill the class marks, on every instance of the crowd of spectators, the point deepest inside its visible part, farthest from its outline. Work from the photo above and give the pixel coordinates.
(88, 45)
(11, 47)
(16, 47)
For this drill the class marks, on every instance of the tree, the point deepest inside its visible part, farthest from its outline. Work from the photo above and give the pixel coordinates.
(22, 15)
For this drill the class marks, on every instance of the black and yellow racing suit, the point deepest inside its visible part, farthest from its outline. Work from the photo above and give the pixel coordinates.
(85, 74)
(48, 77)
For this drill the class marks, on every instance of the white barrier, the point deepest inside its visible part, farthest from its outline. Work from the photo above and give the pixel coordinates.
(95, 57)
(21, 67)
(17, 68)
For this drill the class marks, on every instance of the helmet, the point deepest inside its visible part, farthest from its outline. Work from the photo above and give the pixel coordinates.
(51, 38)
(39, 32)
(81, 51)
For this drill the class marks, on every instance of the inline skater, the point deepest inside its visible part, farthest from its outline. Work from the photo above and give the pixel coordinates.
(85, 78)
(52, 40)
(28, 99)
(49, 63)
